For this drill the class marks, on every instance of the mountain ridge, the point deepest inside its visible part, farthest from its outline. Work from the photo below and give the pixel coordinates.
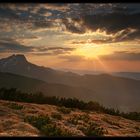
(26, 84)
(119, 92)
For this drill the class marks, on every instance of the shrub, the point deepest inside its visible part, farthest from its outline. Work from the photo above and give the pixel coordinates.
(46, 126)
(84, 117)
(73, 120)
(14, 95)
(94, 130)
(76, 118)
(137, 128)
(64, 110)
(54, 130)
(132, 115)
(56, 116)
(15, 106)
(82, 128)
(51, 130)
(38, 121)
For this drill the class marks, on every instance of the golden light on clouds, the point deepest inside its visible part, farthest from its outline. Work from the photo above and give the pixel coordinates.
(92, 50)
(87, 36)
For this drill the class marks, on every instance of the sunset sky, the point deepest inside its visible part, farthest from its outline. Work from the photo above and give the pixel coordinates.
(98, 37)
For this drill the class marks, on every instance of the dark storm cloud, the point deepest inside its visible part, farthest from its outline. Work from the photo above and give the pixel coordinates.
(112, 23)
(76, 18)
(93, 15)
(71, 25)
(7, 13)
(132, 36)
(113, 20)
(43, 24)
(25, 16)
(122, 55)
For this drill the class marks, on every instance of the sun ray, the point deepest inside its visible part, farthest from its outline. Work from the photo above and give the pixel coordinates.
(104, 67)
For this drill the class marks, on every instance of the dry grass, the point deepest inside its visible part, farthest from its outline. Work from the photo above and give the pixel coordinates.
(64, 122)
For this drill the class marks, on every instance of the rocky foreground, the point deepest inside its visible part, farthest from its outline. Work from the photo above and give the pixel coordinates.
(26, 119)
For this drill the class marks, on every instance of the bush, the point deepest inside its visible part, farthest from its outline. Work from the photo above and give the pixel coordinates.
(82, 128)
(137, 128)
(46, 126)
(73, 120)
(51, 130)
(14, 95)
(76, 118)
(84, 117)
(93, 130)
(132, 115)
(38, 121)
(15, 106)
(64, 110)
(54, 130)
(56, 116)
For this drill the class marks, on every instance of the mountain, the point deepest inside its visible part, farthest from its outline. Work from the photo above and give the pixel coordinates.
(18, 64)
(27, 84)
(133, 75)
(111, 91)
(82, 72)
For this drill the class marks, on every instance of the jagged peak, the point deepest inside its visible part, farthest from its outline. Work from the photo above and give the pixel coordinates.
(13, 60)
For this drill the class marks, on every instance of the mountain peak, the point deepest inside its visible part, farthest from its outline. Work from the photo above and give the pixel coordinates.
(18, 57)
(12, 60)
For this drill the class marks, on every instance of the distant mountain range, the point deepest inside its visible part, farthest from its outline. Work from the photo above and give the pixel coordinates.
(31, 85)
(133, 75)
(111, 91)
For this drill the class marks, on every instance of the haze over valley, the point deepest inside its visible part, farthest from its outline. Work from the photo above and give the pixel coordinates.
(111, 91)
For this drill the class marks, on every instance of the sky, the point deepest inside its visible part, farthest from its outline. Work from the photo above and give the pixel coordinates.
(83, 36)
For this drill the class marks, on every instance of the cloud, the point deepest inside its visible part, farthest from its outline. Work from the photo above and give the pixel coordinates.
(125, 35)
(29, 16)
(72, 58)
(94, 41)
(79, 42)
(53, 50)
(120, 20)
(73, 25)
(63, 7)
(13, 6)
(122, 55)
(43, 24)
(106, 17)
(112, 23)
(11, 45)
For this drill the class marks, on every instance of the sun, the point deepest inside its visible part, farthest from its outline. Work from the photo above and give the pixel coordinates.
(91, 51)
